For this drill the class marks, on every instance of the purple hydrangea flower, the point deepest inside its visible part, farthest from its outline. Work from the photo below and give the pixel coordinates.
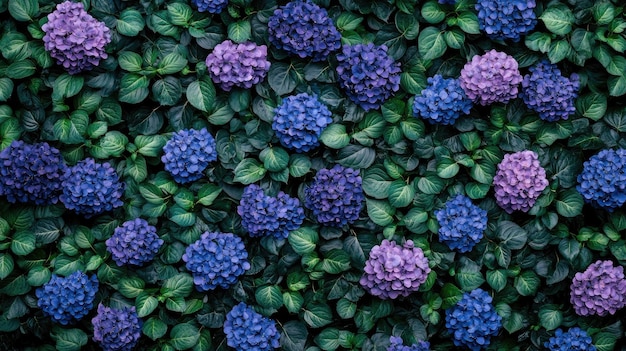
(492, 77)
(31, 173)
(304, 29)
(599, 290)
(398, 345)
(299, 121)
(442, 101)
(335, 196)
(506, 19)
(368, 74)
(548, 93)
(135, 242)
(602, 181)
(461, 223)
(246, 329)
(67, 299)
(263, 215)
(575, 339)
(519, 181)
(393, 270)
(210, 6)
(74, 38)
(188, 153)
(473, 320)
(242, 65)
(91, 188)
(116, 329)
(216, 260)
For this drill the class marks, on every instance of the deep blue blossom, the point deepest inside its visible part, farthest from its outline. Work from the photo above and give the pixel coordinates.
(548, 93)
(299, 121)
(602, 181)
(248, 330)
(506, 19)
(447, 2)
(575, 339)
(135, 242)
(461, 223)
(188, 153)
(473, 320)
(398, 345)
(116, 329)
(242, 65)
(491, 77)
(210, 6)
(67, 299)
(442, 101)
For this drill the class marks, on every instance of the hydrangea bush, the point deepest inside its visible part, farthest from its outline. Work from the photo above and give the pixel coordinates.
(116, 329)
(246, 329)
(299, 121)
(602, 181)
(67, 300)
(473, 321)
(397, 345)
(188, 153)
(442, 101)
(506, 19)
(575, 339)
(461, 223)
(135, 242)
(210, 6)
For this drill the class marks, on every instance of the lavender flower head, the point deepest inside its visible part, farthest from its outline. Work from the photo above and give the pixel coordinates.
(492, 77)
(31, 173)
(393, 270)
(506, 19)
(246, 329)
(461, 224)
(135, 242)
(188, 153)
(398, 345)
(548, 93)
(210, 6)
(74, 38)
(575, 339)
(599, 290)
(368, 74)
(304, 29)
(67, 299)
(116, 329)
(602, 181)
(242, 65)
(519, 181)
(473, 320)
(442, 101)
(299, 121)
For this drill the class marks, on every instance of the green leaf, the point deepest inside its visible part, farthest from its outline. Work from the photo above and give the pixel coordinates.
(468, 275)
(559, 50)
(497, 279)
(527, 283)
(334, 136)
(23, 243)
(113, 143)
(239, 31)
(511, 235)
(401, 194)
(172, 63)
(69, 339)
(348, 21)
(592, 105)
(269, 296)
(617, 85)
(131, 287)
(380, 212)
(407, 25)
(604, 341)
(335, 262)
(208, 193)
(150, 145)
(6, 89)
(538, 41)
(38, 276)
(154, 328)
(281, 78)
(293, 336)
(24, 10)
(136, 168)
(431, 43)
(130, 23)
(303, 240)
(603, 13)
(6, 265)
(130, 61)
(184, 336)
(468, 22)
(179, 14)
(317, 315)
(328, 339)
(21, 69)
(133, 88)
(431, 184)
(432, 12)
(447, 168)
(550, 316)
(275, 159)
(558, 19)
(569, 203)
(299, 165)
(249, 171)
(569, 248)
(181, 216)
(145, 304)
(293, 301)
(355, 156)
(201, 94)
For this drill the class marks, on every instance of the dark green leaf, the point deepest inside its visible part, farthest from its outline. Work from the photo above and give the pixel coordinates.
(558, 19)
(184, 336)
(269, 296)
(431, 43)
(201, 94)
(154, 328)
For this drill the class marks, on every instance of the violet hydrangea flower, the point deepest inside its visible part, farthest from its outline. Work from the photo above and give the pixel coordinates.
(299, 121)
(491, 77)
(398, 345)
(67, 299)
(210, 6)
(599, 290)
(506, 19)
(519, 181)
(602, 181)
(135, 242)
(473, 320)
(575, 339)
(442, 101)
(246, 329)
(461, 223)
(188, 153)
(116, 329)
(242, 65)
(548, 93)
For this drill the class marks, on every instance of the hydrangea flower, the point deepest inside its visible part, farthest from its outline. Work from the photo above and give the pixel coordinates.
(31, 173)
(473, 320)
(461, 223)
(67, 299)
(304, 29)
(116, 329)
(246, 329)
(368, 74)
(299, 121)
(91, 188)
(602, 181)
(393, 270)
(492, 77)
(242, 65)
(188, 153)
(216, 260)
(599, 290)
(210, 6)
(506, 19)
(335, 196)
(575, 339)
(548, 93)
(442, 101)
(398, 345)
(263, 215)
(447, 2)
(74, 38)
(135, 242)
(519, 181)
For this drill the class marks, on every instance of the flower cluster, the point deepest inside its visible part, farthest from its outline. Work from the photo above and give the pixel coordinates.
(263, 215)
(393, 270)
(299, 121)
(492, 77)
(116, 329)
(188, 153)
(473, 320)
(368, 74)
(397, 345)
(31, 173)
(67, 299)
(519, 181)
(574, 339)
(548, 93)
(135, 242)
(447, 2)
(304, 29)
(246, 329)
(442, 101)
(461, 224)
(599, 290)
(91, 188)
(216, 260)
(210, 6)
(74, 38)
(242, 65)
(602, 181)
(335, 196)
(506, 19)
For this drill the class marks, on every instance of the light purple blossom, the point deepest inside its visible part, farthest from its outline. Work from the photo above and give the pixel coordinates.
(599, 290)
(491, 77)
(519, 181)
(242, 65)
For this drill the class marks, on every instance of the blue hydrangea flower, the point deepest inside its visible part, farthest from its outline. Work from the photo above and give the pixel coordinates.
(461, 223)
(473, 320)
(210, 6)
(135, 242)
(447, 2)
(548, 93)
(67, 299)
(575, 339)
(299, 121)
(602, 181)
(442, 101)
(506, 19)
(91, 188)
(263, 215)
(335, 196)
(216, 260)
(398, 345)
(31, 173)
(246, 329)
(116, 329)
(368, 74)
(188, 153)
